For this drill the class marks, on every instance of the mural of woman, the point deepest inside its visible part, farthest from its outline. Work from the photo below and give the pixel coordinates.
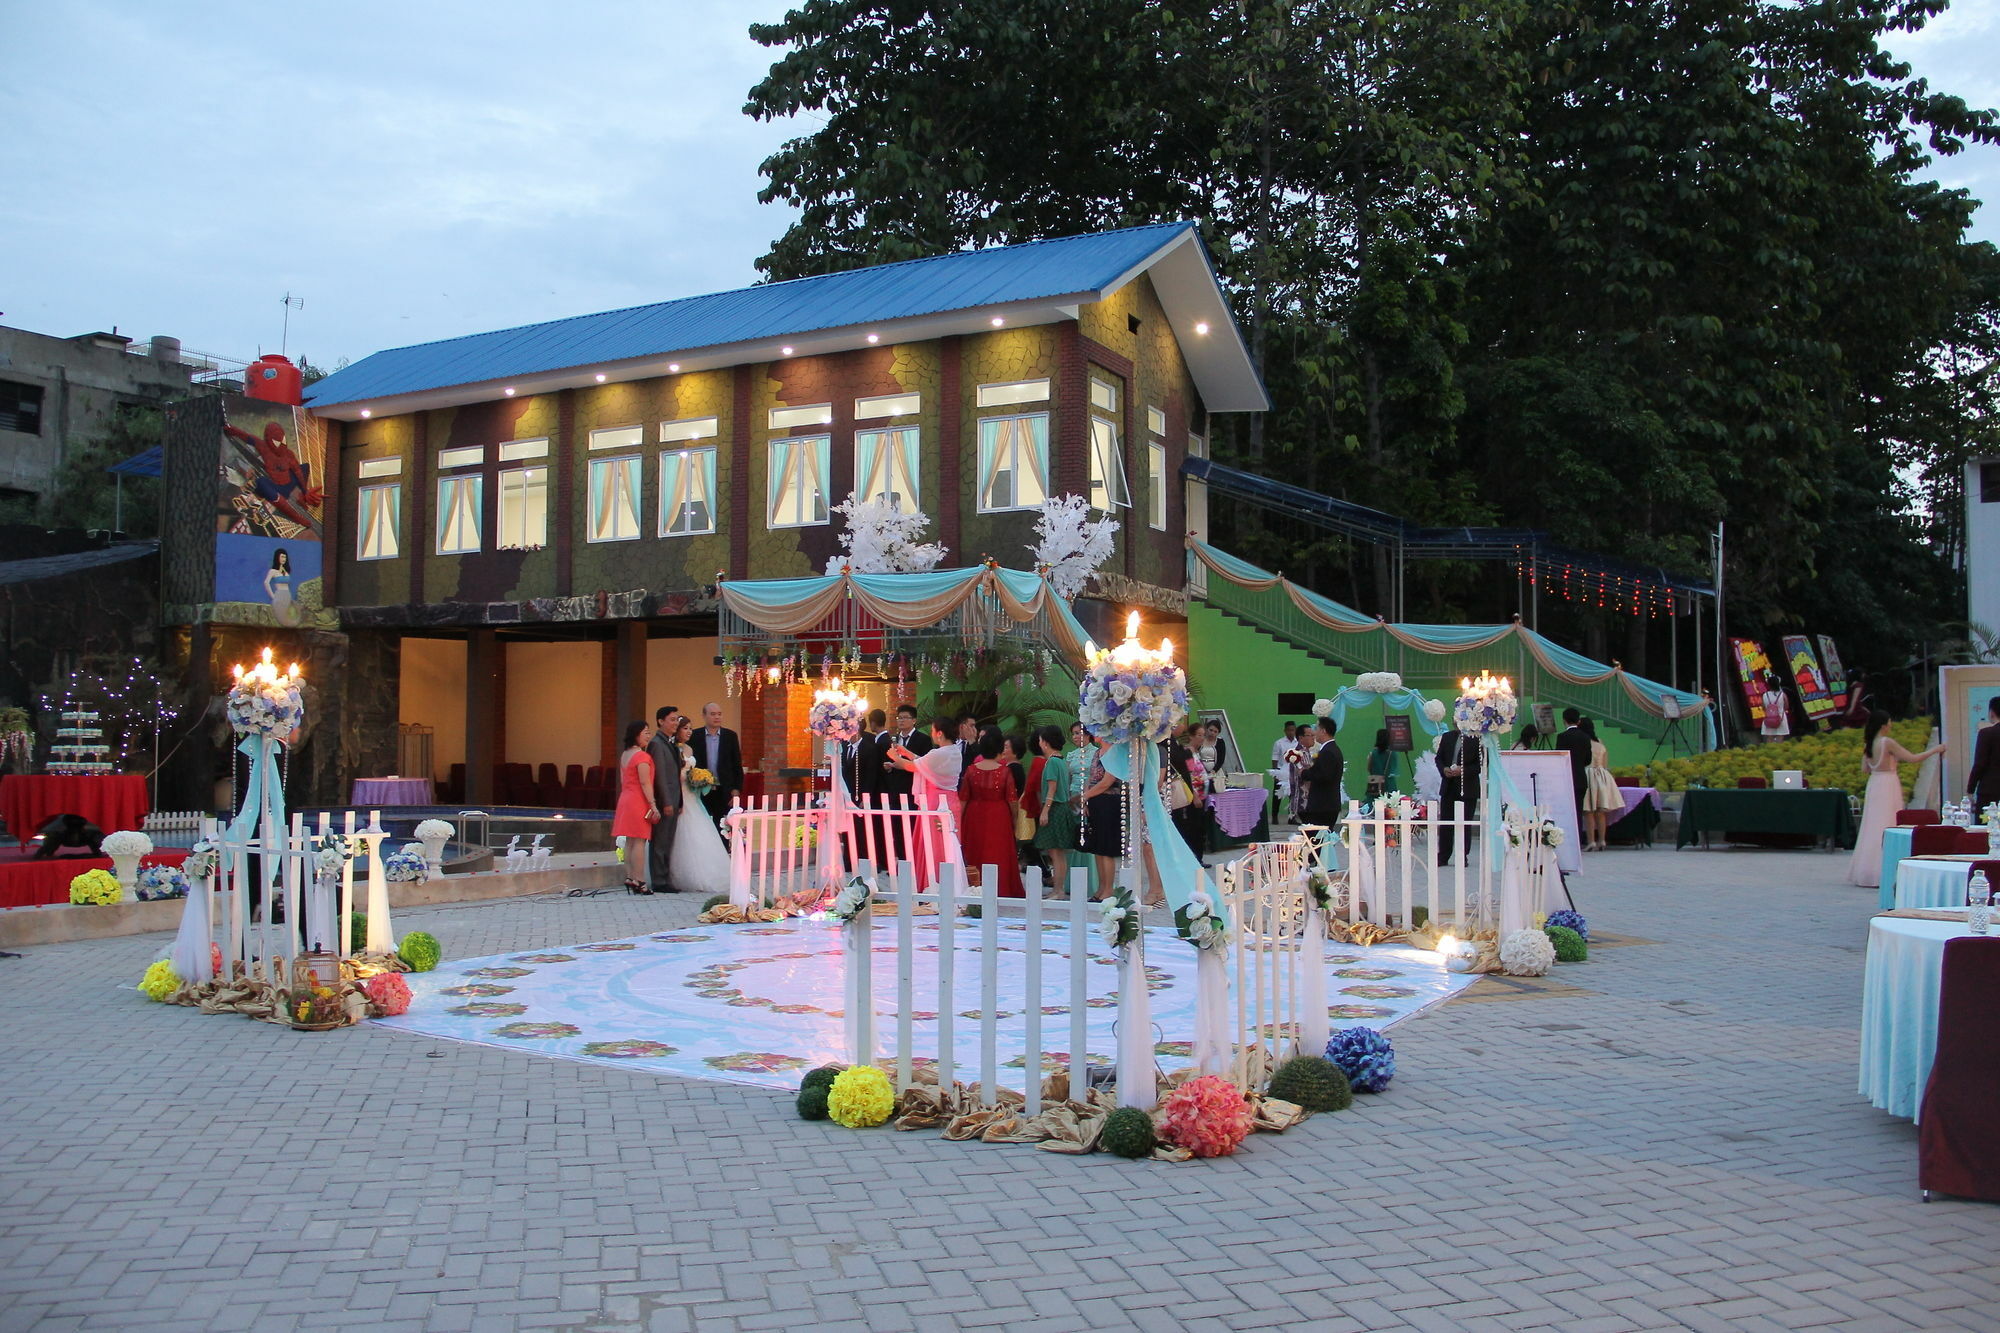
(278, 587)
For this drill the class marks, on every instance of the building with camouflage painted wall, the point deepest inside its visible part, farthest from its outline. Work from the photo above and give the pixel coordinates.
(529, 525)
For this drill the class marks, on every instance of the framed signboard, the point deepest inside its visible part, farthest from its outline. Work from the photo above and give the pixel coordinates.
(1398, 727)
(1836, 674)
(1963, 694)
(1751, 668)
(1545, 720)
(1814, 696)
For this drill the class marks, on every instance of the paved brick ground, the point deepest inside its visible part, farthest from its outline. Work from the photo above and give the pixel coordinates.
(1677, 1145)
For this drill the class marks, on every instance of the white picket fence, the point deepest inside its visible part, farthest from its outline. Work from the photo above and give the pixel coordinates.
(782, 846)
(240, 920)
(1276, 958)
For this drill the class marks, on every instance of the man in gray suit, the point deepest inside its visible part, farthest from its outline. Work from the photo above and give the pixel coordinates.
(666, 757)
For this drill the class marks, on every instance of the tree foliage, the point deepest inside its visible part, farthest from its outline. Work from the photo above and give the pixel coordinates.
(1623, 270)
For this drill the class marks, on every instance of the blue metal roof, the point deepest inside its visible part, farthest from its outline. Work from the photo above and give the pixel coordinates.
(1036, 270)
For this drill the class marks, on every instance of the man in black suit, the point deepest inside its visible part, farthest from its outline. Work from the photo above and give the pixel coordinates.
(861, 765)
(717, 750)
(666, 760)
(1982, 783)
(1577, 745)
(1458, 761)
(1324, 797)
(897, 783)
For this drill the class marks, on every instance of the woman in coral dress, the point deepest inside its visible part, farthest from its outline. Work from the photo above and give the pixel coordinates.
(1880, 754)
(988, 795)
(934, 777)
(632, 822)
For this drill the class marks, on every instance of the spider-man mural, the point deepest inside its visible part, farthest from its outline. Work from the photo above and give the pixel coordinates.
(267, 488)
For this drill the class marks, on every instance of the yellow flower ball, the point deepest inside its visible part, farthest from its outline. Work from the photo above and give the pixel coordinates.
(160, 981)
(861, 1097)
(97, 888)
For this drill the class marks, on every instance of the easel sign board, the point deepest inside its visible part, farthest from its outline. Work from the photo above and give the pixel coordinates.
(1545, 720)
(1545, 778)
(1398, 727)
(1963, 695)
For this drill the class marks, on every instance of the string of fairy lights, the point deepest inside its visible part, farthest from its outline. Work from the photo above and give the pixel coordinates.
(131, 706)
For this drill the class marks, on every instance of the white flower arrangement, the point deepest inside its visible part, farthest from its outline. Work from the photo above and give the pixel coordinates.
(331, 856)
(836, 714)
(1486, 707)
(202, 859)
(882, 539)
(434, 828)
(1132, 693)
(407, 866)
(157, 882)
(1198, 923)
(1322, 708)
(1118, 919)
(128, 842)
(1527, 953)
(853, 899)
(1069, 545)
(1378, 682)
(1552, 833)
(266, 702)
(1434, 709)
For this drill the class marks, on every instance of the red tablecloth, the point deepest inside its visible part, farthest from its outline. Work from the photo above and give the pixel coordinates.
(112, 801)
(25, 883)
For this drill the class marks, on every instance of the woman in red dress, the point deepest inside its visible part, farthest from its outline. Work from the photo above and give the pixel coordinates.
(987, 834)
(632, 822)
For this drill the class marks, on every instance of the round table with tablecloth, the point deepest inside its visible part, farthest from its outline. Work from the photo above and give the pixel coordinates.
(1899, 1009)
(1922, 882)
(1237, 809)
(375, 793)
(112, 801)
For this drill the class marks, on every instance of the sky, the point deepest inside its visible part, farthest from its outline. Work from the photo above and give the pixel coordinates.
(420, 171)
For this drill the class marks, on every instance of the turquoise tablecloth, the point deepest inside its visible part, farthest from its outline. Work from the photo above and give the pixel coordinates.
(1932, 883)
(1895, 846)
(1899, 1004)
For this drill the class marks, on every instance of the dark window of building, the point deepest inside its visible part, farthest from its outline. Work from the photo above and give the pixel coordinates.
(21, 407)
(1295, 706)
(1989, 483)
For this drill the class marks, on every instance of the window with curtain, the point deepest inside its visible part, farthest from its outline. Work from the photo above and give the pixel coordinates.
(687, 492)
(1013, 462)
(460, 512)
(615, 484)
(885, 466)
(796, 481)
(1108, 489)
(524, 508)
(1156, 486)
(379, 525)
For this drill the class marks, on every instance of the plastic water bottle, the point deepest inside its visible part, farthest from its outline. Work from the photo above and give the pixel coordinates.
(1978, 904)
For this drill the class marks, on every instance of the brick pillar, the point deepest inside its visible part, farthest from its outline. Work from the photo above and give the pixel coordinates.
(1070, 427)
(625, 659)
(740, 436)
(950, 502)
(562, 486)
(484, 697)
(421, 540)
(336, 524)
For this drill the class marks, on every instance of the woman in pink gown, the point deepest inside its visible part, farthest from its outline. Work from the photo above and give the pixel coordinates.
(1880, 754)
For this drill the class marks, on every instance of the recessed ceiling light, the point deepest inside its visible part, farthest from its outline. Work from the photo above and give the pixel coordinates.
(600, 377)
(365, 414)
(509, 392)
(673, 366)
(786, 350)
(997, 321)
(1201, 326)
(874, 337)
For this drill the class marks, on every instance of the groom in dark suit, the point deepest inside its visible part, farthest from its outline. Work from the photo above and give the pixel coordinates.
(1324, 797)
(666, 759)
(1458, 762)
(1982, 781)
(717, 750)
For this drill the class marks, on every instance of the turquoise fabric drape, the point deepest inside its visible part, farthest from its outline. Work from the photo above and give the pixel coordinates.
(1180, 869)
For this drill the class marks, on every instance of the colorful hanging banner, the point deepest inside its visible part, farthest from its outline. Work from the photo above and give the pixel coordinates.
(1814, 696)
(1835, 673)
(1751, 668)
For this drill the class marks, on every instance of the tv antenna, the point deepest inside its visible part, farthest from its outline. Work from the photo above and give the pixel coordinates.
(291, 303)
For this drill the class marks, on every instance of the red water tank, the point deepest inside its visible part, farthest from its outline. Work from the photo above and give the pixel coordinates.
(274, 379)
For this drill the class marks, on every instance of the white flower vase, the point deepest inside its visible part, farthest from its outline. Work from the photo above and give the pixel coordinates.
(126, 868)
(434, 850)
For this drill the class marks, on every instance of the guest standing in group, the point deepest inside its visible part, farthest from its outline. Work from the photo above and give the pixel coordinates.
(1458, 766)
(1298, 760)
(988, 794)
(1572, 742)
(1281, 767)
(1182, 780)
(1103, 819)
(1777, 724)
(1381, 767)
(1031, 796)
(1213, 752)
(897, 780)
(1601, 795)
(1014, 754)
(632, 821)
(1880, 754)
(1982, 783)
(1055, 817)
(865, 781)
(717, 750)
(1324, 778)
(935, 777)
(666, 761)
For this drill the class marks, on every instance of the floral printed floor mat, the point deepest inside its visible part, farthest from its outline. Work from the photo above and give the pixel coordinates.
(760, 1004)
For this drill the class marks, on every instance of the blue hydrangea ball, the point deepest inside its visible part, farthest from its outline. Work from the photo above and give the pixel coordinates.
(1365, 1056)
(1574, 920)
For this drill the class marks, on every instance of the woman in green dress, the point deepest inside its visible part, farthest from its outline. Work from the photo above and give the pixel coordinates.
(1056, 826)
(1381, 767)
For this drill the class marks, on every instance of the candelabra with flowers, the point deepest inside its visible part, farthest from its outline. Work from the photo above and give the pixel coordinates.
(1485, 709)
(836, 717)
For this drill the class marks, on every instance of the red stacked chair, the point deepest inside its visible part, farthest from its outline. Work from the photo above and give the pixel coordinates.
(1972, 842)
(1916, 817)
(1957, 1151)
(1933, 840)
(572, 788)
(548, 787)
(1751, 784)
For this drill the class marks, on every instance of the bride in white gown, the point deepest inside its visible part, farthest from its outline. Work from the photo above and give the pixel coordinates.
(700, 861)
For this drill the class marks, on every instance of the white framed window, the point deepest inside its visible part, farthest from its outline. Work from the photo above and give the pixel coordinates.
(796, 481)
(1197, 447)
(379, 467)
(1108, 489)
(1156, 485)
(461, 511)
(378, 533)
(1013, 392)
(515, 450)
(615, 486)
(687, 492)
(688, 428)
(888, 405)
(885, 466)
(1103, 395)
(618, 437)
(813, 414)
(524, 508)
(1013, 462)
(466, 457)
(1156, 421)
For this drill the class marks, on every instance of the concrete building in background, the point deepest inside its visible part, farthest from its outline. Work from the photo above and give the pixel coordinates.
(1982, 542)
(57, 395)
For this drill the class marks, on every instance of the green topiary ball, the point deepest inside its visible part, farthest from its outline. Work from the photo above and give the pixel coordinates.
(812, 1101)
(1419, 917)
(822, 1077)
(1570, 947)
(1128, 1132)
(1313, 1082)
(713, 901)
(421, 950)
(357, 931)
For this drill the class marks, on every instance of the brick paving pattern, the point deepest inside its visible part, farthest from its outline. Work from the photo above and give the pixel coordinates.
(1668, 1139)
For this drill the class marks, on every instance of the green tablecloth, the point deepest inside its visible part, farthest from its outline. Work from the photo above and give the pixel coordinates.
(1820, 813)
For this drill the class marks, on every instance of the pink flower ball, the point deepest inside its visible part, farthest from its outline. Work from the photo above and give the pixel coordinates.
(1205, 1115)
(388, 992)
